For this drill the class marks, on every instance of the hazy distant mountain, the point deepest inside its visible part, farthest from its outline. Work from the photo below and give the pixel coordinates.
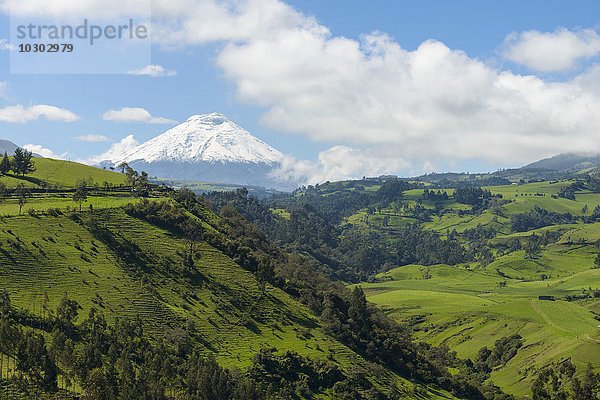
(567, 162)
(210, 148)
(9, 147)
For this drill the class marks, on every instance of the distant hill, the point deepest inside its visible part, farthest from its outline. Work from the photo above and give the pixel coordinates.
(9, 147)
(567, 162)
(561, 166)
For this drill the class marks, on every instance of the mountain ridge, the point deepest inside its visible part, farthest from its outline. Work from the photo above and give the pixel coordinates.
(567, 162)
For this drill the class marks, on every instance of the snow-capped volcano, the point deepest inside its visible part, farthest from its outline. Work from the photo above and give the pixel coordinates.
(206, 138)
(207, 147)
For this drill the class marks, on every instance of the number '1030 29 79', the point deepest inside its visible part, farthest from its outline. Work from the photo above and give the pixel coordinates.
(46, 48)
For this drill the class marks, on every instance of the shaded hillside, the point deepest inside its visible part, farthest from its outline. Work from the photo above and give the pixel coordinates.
(567, 162)
(135, 263)
(464, 266)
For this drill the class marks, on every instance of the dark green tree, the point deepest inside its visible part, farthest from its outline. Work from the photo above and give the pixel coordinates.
(532, 247)
(22, 194)
(96, 386)
(3, 192)
(5, 166)
(123, 166)
(194, 234)
(22, 163)
(80, 195)
(66, 313)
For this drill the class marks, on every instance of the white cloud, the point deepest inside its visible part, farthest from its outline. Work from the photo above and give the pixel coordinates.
(116, 152)
(337, 163)
(153, 70)
(429, 103)
(20, 114)
(552, 51)
(104, 9)
(92, 138)
(45, 152)
(178, 22)
(425, 105)
(134, 114)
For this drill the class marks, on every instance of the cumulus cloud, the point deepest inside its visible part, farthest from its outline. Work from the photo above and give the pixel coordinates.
(552, 51)
(134, 114)
(153, 70)
(105, 9)
(92, 138)
(426, 104)
(45, 152)
(20, 114)
(336, 163)
(116, 151)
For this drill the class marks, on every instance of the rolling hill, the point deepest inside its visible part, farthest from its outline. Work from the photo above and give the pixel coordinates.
(492, 288)
(128, 261)
(62, 174)
(449, 264)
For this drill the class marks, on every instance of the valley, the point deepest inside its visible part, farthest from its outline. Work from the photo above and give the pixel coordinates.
(497, 287)
(436, 277)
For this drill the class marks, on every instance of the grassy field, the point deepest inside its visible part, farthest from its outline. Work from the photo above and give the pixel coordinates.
(64, 201)
(63, 174)
(467, 306)
(522, 198)
(467, 309)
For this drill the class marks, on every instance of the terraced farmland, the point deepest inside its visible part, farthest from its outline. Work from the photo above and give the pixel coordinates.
(129, 267)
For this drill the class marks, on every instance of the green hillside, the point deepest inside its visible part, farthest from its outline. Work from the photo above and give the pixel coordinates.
(467, 309)
(63, 174)
(472, 269)
(57, 255)
(129, 262)
(174, 296)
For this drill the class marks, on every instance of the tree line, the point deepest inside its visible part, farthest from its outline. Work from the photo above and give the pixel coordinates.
(20, 164)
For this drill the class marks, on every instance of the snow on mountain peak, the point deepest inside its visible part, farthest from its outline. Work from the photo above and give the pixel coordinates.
(206, 138)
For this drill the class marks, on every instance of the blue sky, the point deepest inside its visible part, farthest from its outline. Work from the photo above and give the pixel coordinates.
(211, 77)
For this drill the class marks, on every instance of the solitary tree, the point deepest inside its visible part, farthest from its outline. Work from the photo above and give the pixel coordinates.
(532, 247)
(22, 194)
(3, 192)
(23, 162)
(141, 184)
(80, 195)
(123, 166)
(5, 165)
(193, 232)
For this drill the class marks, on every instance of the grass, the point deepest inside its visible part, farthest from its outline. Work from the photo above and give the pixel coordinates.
(63, 174)
(62, 201)
(281, 212)
(467, 309)
(55, 255)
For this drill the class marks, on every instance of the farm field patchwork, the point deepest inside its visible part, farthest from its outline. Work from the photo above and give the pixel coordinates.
(467, 309)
